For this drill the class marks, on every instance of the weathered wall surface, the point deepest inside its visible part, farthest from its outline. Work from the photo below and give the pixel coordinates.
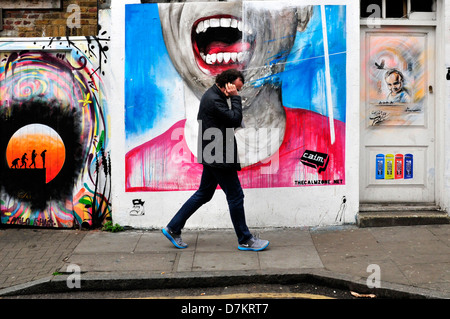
(299, 141)
(54, 124)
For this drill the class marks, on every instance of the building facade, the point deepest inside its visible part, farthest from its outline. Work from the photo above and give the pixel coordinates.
(345, 110)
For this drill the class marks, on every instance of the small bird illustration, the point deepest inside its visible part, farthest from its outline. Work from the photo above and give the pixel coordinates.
(380, 66)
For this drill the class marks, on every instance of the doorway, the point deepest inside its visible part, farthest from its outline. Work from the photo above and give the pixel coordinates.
(397, 151)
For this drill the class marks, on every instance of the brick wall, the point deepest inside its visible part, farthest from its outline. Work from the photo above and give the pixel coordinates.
(51, 23)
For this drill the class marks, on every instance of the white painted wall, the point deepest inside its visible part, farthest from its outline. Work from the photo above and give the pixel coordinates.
(275, 207)
(444, 103)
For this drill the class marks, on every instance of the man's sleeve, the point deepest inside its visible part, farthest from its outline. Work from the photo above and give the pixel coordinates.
(231, 117)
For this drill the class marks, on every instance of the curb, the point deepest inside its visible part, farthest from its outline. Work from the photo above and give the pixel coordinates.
(103, 282)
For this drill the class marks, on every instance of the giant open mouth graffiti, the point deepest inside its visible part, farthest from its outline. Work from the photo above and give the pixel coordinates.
(173, 52)
(221, 42)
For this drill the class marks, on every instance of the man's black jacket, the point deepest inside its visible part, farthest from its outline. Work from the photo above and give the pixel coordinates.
(216, 143)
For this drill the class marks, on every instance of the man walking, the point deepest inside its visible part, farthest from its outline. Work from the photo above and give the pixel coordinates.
(217, 122)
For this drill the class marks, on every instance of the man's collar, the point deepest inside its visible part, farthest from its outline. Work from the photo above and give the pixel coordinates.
(216, 87)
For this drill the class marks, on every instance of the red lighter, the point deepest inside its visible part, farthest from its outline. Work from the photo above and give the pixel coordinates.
(398, 166)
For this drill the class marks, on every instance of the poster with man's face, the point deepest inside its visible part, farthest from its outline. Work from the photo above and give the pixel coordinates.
(396, 73)
(293, 58)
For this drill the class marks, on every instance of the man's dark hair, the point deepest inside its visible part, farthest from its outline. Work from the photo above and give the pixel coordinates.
(228, 76)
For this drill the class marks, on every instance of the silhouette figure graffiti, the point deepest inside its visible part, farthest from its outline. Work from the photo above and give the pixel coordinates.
(24, 160)
(15, 163)
(33, 159)
(43, 158)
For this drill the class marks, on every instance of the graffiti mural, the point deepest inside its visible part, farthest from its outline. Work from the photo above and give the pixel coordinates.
(396, 73)
(55, 168)
(294, 99)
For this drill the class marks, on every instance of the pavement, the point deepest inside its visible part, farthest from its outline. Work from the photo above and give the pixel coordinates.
(390, 262)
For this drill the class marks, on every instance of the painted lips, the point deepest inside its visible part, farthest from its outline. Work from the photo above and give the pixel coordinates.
(219, 45)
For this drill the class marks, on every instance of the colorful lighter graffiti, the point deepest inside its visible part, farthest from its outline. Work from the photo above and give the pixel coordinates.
(294, 101)
(396, 75)
(55, 169)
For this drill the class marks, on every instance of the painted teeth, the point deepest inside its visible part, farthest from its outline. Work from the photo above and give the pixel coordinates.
(224, 57)
(224, 23)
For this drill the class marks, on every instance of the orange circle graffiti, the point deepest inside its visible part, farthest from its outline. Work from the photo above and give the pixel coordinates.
(37, 137)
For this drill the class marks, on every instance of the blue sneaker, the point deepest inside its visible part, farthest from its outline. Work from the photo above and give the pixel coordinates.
(175, 239)
(254, 244)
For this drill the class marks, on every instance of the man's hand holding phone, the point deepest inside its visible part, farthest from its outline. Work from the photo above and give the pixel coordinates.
(230, 89)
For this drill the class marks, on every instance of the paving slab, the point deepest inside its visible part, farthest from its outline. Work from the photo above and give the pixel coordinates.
(290, 258)
(99, 241)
